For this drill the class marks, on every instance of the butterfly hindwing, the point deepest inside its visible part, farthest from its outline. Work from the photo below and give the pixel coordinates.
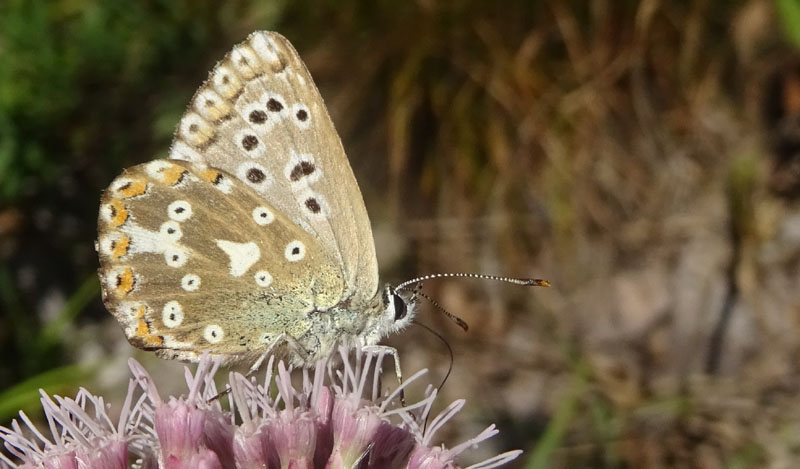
(260, 117)
(193, 259)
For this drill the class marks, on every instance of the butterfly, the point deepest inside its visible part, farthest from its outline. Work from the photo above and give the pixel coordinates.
(253, 236)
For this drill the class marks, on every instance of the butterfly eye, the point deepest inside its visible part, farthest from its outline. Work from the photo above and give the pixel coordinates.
(399, 307)
(394, 303)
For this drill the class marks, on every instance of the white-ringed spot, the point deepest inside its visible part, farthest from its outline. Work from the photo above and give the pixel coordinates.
(255, 114)
(313, 204)
(195, 130)
(171, 230)
(263, 278)
(242, 255)
(301, 169)
(249, 143)
(213, 333)
(210, 105)
(301, 116)
(275, 105)
(190, 282)
(180, 210)
(263, 216)
(226, 82)
(175, 257)
(295, 251)
(172, 314)
(245, 61)
(254, 175)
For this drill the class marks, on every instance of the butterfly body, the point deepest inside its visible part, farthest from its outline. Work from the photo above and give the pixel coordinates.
(254, 234)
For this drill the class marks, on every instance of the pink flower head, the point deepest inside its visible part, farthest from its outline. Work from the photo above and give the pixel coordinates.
(336, 418)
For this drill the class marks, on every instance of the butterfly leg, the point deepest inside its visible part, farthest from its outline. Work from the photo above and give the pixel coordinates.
(393, 352)
(260, 361)
(293, 344)
(283, 337)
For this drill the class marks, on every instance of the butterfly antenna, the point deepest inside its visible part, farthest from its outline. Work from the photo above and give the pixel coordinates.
(460, 322)
(527, 282)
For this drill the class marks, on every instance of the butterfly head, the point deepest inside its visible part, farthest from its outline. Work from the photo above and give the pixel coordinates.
(398, 309)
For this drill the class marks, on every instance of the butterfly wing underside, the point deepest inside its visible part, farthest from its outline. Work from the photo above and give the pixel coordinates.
(260, 117)
(194, 260)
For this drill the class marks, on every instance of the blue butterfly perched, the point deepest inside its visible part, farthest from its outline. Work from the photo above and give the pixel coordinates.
(253, 236)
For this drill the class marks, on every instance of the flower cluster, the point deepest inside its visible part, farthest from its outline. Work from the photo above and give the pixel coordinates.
(337, 418)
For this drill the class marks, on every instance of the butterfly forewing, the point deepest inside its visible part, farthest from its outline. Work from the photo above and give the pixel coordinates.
(260, 117)
(193, 259)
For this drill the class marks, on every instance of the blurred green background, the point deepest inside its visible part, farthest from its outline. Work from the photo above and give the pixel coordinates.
(642, 156)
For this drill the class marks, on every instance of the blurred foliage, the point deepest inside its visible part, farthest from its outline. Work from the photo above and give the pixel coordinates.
(789, 15)
(572, 138)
